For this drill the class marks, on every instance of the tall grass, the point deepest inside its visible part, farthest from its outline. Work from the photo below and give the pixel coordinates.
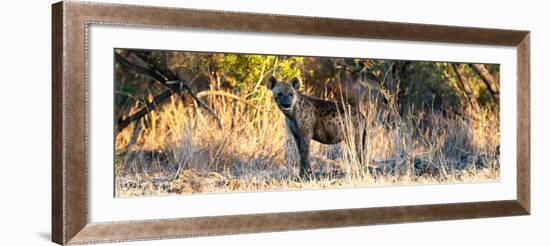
(180, 149)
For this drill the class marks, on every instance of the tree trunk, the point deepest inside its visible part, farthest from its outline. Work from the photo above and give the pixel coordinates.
(489, 80)
(464, 84)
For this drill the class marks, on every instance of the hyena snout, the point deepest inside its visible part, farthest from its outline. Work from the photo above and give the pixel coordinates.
(285, 102)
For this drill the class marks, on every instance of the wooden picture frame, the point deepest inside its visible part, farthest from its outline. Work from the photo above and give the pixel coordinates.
(70, 21)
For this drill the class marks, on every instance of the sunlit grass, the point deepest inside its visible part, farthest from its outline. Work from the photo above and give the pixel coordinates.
(180, 149)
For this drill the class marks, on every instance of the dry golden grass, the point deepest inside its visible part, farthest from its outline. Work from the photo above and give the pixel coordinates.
(179, 149)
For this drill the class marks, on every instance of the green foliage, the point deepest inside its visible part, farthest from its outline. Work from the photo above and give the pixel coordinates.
(415, 83)
(427, 83)
(249, 71)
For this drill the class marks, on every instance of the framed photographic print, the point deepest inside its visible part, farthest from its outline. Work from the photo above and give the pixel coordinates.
(173, 122)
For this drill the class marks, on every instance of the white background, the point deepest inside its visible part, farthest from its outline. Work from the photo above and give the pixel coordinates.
(104, 207)
(25, 123)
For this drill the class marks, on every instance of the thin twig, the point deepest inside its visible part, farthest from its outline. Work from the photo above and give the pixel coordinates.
(183, 86)
(227, 94)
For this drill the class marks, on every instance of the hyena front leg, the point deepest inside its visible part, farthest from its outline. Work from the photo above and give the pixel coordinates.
(303, 148)
(360, 144)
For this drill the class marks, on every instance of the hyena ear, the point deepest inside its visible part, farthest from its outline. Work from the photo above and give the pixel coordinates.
(295, 82)
(271, 82)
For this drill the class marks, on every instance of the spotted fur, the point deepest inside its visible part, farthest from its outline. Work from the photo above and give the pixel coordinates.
(310, 118)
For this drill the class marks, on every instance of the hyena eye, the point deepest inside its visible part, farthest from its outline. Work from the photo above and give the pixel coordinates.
(280, 94)
(290, 94)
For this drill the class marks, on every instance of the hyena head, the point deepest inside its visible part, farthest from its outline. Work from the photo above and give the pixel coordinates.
(284, 93)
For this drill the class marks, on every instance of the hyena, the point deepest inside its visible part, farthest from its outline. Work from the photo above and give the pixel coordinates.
(310, 118)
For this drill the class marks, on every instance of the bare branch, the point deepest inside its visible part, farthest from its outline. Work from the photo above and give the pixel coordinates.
(161, 70)
(165, 77)
(138, 69)
(227, 94)
(464, 84)
(183, 86)
(157, 100)
(489, 80)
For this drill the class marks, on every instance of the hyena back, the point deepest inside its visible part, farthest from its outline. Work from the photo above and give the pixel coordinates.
(310, 118)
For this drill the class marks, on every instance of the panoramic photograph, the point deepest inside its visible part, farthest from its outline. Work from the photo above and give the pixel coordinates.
(189, 122)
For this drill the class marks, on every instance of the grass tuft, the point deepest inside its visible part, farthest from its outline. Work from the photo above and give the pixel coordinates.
(179, 149)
